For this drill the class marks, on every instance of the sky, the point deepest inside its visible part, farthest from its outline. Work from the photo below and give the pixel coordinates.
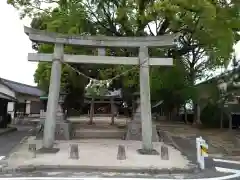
(15, 46)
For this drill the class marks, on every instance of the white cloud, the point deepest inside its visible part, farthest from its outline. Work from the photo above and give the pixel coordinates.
(14, 47)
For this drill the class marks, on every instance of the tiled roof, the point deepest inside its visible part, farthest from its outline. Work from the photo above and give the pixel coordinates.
(22, 88)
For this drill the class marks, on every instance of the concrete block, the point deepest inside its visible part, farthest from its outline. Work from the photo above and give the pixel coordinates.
(164, 152)
(44, 150)
(121, 155)
(74, 154)
(62, 131)
(32, 148)
(134, 131)
(148, 152)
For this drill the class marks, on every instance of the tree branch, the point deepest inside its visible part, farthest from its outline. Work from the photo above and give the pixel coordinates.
(163, 27)
(111, 29)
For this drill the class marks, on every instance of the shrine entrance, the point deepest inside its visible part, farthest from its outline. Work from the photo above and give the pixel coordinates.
(107, 105)
(101, 42)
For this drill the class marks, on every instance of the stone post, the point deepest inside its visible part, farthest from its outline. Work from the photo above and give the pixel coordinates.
(164, 152)
(121, 154)
(146, 118)
(32, 148)
(53, 96)
(74, 153)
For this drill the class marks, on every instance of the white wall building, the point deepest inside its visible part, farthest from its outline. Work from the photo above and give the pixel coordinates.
(22, 99)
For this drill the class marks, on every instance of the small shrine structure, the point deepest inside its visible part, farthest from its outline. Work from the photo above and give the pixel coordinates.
(105, 104)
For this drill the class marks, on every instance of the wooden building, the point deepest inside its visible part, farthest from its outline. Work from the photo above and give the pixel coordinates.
(106, 105)
(20, 98)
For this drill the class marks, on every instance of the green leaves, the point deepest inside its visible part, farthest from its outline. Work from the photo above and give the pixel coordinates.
(209, 28)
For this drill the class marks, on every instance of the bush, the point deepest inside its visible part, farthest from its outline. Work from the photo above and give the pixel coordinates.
(211, 117)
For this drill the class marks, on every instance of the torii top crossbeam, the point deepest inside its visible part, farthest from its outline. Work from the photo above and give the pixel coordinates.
(100, 41)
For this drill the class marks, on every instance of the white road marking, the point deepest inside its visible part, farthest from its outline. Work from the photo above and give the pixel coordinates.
(2, 157)
(226, 161)
(226, 170)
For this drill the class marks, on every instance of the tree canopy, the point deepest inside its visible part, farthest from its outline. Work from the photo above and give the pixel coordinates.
(208, 28)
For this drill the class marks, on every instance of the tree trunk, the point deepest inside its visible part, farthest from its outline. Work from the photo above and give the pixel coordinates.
(91, 112)
(197, 115)
(170, 116)
(230, 121)
(221, 119)
(185, 115)
(113, 111)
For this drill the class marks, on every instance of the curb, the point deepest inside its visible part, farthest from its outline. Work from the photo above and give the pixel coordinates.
(83, 168)
(11, 129)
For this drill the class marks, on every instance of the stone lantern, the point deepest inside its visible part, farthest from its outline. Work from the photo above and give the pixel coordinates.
(61, 100)
(62, 97)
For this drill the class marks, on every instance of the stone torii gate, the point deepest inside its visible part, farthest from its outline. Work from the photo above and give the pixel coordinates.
(99, 42)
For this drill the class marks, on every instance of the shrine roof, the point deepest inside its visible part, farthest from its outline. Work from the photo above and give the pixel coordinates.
(115, 93)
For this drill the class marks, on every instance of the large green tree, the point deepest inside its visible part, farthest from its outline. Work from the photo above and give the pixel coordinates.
(208, 31)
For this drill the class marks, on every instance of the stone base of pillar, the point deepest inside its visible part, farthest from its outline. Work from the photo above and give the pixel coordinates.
(134, 131)
(44, 150)
(62, 132)
(148, 152)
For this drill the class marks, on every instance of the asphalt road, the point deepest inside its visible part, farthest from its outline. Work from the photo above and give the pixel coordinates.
(188, 148)
(12, 139)
(222, 163)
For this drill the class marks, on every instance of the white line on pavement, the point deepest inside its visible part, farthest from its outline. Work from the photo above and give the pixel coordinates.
(226, 170)
(226, 161)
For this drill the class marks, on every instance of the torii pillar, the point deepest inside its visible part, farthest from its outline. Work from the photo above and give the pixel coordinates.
(145, 99)
(141, 127)
(52, 104)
